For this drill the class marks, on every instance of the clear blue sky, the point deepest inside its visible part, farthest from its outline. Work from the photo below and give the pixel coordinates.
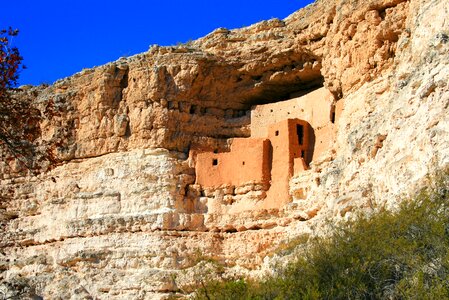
(60, 38)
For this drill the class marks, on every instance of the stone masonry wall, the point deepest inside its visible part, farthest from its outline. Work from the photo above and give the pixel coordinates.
(119, 216)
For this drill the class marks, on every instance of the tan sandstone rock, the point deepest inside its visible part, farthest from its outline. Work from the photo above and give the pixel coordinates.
(120, 215)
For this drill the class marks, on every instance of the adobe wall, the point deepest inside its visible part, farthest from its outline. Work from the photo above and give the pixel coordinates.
(287, 149)
(248, 161)
(315, 107)
(276, 150)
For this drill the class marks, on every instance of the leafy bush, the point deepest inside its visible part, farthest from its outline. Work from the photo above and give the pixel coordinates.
(392, 255)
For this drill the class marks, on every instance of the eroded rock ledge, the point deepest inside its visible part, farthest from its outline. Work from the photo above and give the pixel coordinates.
(123, 212)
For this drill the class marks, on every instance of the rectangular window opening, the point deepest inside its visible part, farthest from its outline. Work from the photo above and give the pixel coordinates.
(276, 133)
(215, 162)
(300, 133)
(333, 114)
(303, 153)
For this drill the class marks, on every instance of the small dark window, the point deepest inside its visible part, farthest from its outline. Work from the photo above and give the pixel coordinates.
(332, 116)
(192, 109)
(215, 150)
(300, 133)
(215, 162)
(271, 110)
(276, 133)
(243, 163)
(303, 153)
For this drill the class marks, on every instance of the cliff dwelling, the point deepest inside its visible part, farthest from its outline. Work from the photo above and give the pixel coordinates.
(285, 138)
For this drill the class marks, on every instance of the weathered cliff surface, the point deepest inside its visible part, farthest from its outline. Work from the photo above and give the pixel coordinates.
(120, 216)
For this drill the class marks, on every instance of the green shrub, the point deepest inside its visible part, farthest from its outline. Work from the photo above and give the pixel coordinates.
(392, 255)
(229, 290)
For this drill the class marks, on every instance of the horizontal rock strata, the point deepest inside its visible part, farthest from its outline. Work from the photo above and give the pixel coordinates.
(119, 216)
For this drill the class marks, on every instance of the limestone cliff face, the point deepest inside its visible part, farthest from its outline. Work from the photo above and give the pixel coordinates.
(120, 214)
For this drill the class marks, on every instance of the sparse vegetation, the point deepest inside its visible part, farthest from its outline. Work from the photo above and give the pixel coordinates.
(189, 43)
(19, 115)
(392, 255)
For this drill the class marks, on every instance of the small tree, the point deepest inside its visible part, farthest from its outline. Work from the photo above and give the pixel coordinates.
(10, 61)
(19, 119)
